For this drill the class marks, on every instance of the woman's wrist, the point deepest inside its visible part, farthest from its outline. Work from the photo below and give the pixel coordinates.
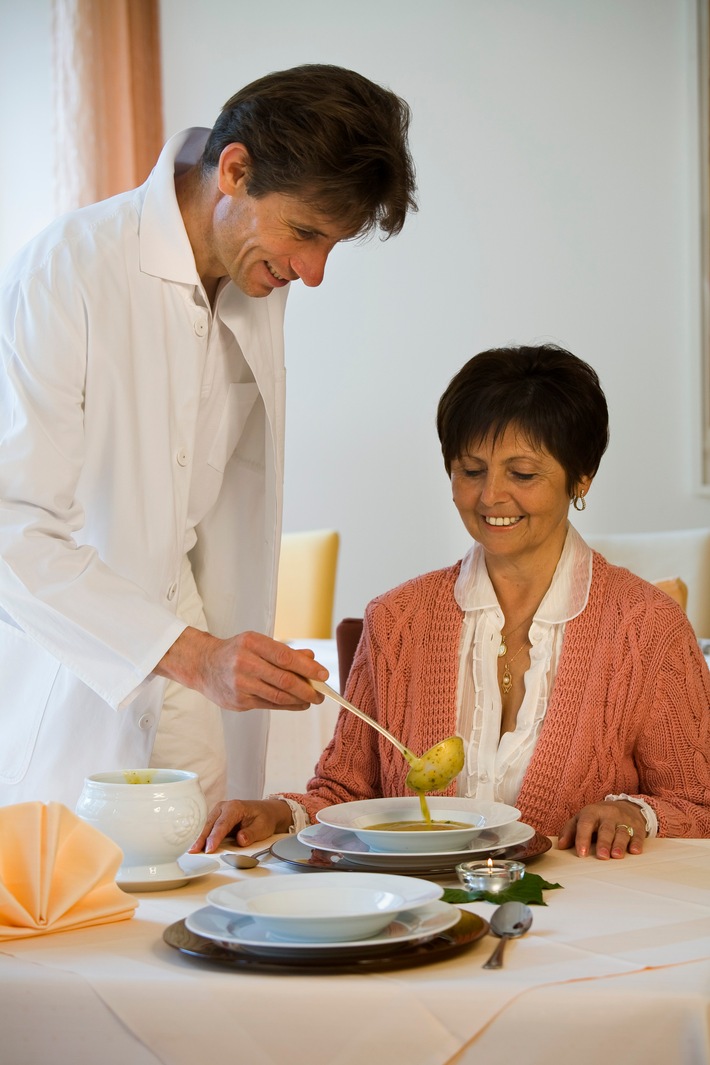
(647, 812)
(297, 816)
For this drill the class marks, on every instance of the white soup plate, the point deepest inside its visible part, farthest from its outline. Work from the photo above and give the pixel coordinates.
(321, 908)
(359, 817)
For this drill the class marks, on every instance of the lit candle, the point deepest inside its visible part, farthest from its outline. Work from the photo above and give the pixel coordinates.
(489, 876)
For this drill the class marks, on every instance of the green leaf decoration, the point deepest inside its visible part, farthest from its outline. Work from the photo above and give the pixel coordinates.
(528, 890)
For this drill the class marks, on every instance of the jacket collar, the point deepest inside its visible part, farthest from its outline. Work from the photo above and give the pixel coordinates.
(166, 252)
(165, 249)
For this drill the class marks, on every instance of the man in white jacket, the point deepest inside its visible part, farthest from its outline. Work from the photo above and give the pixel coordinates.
(141, 438)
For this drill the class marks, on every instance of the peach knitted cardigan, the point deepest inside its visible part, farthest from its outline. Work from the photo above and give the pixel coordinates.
(629, 710)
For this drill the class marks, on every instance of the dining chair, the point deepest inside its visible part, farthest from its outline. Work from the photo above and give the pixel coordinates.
(674, 560)
(306, 585)
(347, 637)
(676, 589)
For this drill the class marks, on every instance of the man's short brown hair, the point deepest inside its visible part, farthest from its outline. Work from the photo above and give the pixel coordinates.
(327, 136)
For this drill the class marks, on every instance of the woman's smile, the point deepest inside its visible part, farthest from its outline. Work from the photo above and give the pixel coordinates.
(491, 520)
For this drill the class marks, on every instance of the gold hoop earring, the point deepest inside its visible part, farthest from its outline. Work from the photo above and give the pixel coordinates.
(579, 502)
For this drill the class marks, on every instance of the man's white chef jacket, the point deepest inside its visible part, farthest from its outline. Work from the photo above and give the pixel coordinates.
(102, 344)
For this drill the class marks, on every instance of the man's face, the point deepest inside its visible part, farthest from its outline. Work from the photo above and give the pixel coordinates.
(264, 243)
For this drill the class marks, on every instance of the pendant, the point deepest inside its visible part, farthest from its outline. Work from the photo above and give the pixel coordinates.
(503, 649)
(506, 683)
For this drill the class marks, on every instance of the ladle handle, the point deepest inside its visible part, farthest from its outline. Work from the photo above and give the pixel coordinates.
(325, 689)
(496, 959)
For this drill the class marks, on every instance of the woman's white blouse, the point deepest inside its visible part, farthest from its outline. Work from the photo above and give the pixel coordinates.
(495, 764)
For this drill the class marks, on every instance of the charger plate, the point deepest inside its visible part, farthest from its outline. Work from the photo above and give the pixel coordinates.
(467, 931)
(293, 851)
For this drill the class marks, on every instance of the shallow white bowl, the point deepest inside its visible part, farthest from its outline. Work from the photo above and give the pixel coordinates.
(357, 817)
(152, 814)
(322, 907)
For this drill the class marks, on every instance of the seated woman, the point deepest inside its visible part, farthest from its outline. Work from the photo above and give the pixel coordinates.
(579, 689)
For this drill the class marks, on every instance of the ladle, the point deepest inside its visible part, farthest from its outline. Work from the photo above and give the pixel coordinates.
(243, 861)
(432, 771)
(509, 921)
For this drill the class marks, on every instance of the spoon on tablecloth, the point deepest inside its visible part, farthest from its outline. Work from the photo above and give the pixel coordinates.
(509, 921)
(432, 771)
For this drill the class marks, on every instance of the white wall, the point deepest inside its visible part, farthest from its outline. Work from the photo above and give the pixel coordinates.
(557, 151)
(556, 144)
(26, 148)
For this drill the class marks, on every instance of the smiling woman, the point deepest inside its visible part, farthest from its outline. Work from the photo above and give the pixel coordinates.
(512, 497)
(522, 433)
(579, 690)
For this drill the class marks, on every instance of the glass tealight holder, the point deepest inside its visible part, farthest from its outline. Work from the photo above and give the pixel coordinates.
(492, 876)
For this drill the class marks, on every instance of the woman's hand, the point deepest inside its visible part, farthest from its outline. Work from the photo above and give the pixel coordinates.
(253, 819)
(610, 822)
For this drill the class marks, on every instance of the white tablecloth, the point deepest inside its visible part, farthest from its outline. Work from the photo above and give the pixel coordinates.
(616, 969)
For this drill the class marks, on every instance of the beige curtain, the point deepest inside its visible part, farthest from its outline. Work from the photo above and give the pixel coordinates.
(107, 93)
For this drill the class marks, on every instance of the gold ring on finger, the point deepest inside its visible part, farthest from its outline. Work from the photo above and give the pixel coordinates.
(628, 828)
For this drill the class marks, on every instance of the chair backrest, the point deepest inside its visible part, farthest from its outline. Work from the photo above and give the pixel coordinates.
(676, 589)
(347, 637)
(306, 585)
(658, 556)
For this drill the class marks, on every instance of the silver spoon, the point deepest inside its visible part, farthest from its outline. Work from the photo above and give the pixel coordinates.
(432, 771)
(244, 861)
(509, 921)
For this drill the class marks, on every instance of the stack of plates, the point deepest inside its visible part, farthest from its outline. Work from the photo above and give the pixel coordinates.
(318, 917)
(406, 943)
(343, 840)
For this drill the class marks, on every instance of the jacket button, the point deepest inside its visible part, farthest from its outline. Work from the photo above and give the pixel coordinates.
(182, 457)
(200, 327)
(172, 590)
(145, 722)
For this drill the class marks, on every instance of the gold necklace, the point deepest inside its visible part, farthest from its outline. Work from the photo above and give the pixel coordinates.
(503, 649)
(506, 683)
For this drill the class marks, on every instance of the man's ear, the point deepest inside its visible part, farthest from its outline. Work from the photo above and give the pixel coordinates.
(233, 169)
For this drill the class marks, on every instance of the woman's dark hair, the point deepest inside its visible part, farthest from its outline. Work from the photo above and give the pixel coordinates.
(328, 136)
(549, 395)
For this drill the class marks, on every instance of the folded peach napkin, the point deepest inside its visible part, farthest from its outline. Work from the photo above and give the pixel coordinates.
(56, 872)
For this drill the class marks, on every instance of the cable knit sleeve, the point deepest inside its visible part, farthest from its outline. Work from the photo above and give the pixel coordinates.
(673, 748)
(629, 712)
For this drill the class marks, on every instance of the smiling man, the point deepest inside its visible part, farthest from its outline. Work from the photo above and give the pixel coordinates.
(141, 426)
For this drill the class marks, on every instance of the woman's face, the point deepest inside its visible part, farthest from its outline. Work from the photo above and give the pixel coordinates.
(513, 498)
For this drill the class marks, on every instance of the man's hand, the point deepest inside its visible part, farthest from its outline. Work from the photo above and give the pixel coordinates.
(246, 671)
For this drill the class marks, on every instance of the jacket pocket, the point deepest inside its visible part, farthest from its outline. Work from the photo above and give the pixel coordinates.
(27, 674)
(237, 408)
